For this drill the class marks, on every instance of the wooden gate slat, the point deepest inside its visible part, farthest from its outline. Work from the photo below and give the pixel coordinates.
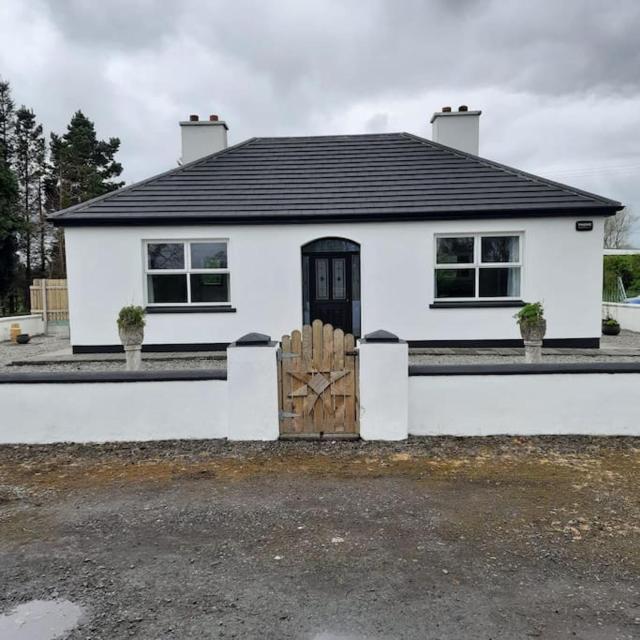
(286, 424)
(307, 343)
(296, 367)
(328, 406)
(349, 400)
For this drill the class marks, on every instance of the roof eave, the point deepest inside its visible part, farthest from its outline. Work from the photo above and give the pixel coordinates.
(248, 219)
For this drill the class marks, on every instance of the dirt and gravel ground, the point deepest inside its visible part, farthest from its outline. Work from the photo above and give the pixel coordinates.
(435, 538)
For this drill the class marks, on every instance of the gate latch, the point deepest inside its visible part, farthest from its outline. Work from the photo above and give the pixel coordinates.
(287, 414)
(286, 355)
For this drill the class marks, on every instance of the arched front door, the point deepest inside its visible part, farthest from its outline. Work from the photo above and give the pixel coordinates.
(331, 283)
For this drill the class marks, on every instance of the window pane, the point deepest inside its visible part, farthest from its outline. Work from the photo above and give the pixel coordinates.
(455, 283)
(165, 255)
(322, 279)
(330, 245)
(167, 288)
(455, 251)
(207, 287)
(501, 249)
(339, 290)
(500, 282)
(208, 255)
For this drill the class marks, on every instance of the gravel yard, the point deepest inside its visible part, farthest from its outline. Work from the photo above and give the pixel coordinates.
(43, 353)
(38, 346)
(496, 538)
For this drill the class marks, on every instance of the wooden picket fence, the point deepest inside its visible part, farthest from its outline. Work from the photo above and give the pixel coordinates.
(49, 297)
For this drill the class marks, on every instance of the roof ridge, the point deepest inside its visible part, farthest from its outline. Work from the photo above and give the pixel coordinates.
(512, 170)
(332, 136)
(140, 183)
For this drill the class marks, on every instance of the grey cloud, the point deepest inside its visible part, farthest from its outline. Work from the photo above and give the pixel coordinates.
(557, 81)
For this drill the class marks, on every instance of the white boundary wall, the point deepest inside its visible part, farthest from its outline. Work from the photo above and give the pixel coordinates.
(253, 394)
(396, 400)
(527, 404)
(113, 411)
(31, 324)
(628, 315)
(384, 391)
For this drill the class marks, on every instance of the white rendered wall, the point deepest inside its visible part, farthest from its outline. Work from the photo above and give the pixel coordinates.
(32, 324)
(252, 374)
(628, 315)
(108, 411)
(480, 405)
(562, 267)
(384, 393)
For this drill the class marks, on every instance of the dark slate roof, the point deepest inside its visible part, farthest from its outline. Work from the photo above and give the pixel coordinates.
(395, 176)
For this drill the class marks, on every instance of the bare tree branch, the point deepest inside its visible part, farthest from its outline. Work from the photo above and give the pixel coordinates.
(617, 229)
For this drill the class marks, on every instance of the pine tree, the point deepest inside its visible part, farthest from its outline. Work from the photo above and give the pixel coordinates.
(7, 123)
(9, 221)
(30, 170)
(81, 167)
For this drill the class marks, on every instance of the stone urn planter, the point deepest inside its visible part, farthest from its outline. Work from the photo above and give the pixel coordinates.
(533, 327)
(131, 329)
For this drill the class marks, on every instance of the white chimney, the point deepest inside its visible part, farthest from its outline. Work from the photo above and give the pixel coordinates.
(458, 129)
(201, 138)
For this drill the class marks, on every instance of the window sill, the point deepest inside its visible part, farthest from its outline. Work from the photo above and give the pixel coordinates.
(477, 304)
(192, 309)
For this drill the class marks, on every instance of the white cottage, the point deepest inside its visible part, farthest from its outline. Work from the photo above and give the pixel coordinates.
(419, 237)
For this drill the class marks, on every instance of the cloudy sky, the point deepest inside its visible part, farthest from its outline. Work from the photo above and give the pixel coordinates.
(558, 82)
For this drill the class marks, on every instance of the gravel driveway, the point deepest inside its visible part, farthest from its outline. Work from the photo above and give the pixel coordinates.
(436, 538)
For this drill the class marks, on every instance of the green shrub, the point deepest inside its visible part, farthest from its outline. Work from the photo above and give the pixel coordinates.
(530, 313)
(131, 317)
(610, 322)
(627, 268)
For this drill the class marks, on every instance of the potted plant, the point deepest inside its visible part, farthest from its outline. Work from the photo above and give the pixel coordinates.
(131, 328)
(610, 326)
(533, 327)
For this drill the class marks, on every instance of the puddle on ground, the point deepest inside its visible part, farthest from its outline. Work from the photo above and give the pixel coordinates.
(40, 620)
(329, 635)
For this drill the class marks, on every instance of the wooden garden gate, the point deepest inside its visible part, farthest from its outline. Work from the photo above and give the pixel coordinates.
(318, 383)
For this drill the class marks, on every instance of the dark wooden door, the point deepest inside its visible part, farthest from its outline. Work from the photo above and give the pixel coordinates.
(330, 289)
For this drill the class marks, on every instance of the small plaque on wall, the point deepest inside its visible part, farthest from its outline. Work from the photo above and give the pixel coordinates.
(584, 225)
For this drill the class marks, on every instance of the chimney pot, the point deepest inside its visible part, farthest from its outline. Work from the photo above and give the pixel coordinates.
(213, 118)
(194, 117)
(463, 107)
(446, 109)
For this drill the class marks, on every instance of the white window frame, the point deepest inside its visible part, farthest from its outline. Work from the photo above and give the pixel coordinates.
(477, 263)
(187, 271)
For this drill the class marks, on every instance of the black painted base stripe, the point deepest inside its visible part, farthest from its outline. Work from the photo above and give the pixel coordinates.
(477, 304)
(556, 343)
(191, 309)
(544, 368)
(59, 377)
(151, 348)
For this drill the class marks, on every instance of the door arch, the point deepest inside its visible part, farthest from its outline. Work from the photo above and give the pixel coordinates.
(331, 283)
